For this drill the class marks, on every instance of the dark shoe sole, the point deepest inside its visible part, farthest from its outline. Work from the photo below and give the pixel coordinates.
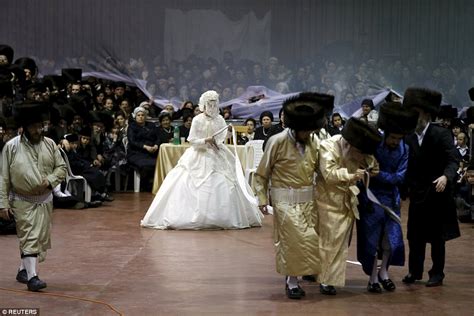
(327, 291)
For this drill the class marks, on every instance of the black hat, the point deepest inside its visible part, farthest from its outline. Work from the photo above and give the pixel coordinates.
(303, 112)
(101, 117)
(27, 63)
(267, 114)
(360, 135)
(7, 51)
(457, 122)
(29, 113)
(394, 118)
(447, 112)
(368, 102)
(471, 93)
(470, 115)
(6, 86)
(53, 82)
(85, 131)
(120, 84)
(428, 100)
(71, 138)
(72, 75)
(62, 111)
(324, 100)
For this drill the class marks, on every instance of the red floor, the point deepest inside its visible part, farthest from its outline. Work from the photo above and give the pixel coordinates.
(102, 255)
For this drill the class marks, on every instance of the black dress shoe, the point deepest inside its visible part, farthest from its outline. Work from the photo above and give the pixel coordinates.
(374, 288)
(435, 281)
(327, 289)
(387, 284)
(410, 279)
(309, 278)
(295, 293)
(22, 276)
(106, 198)
(35, 284)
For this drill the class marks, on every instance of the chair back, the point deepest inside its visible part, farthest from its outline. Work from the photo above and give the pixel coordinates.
(253, 157)
(66, 160)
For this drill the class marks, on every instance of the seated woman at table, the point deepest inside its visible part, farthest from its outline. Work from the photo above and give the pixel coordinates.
(142, 146)
(202, 191)
(165, 130)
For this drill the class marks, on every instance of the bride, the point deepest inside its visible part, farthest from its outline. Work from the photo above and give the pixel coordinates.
(202, 191)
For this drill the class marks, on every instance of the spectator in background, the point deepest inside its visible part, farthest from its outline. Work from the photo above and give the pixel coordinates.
(245, 137)
(165, 130)
(186, 127)
(369, 114)
(266, 119)
(143, 144)
(337, 124)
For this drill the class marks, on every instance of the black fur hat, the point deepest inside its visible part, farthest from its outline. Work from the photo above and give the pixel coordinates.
(360, 135)
(304, 112)
(27, 63)
(28, 113)
(394, 118)
(324, 100)
(426, 99)
(471, 93)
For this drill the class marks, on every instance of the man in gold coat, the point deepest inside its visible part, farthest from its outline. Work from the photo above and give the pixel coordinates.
(32, 167)
(289, 163)
(343, 160)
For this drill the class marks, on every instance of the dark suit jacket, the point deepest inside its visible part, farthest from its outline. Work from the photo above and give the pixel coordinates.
(432, 215)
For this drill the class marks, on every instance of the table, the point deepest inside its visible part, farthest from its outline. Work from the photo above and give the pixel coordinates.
(169, 155)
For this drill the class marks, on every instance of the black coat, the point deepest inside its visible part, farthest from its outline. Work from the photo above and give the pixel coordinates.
(432, 215)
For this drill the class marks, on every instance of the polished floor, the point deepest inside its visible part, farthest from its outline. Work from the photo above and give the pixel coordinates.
(103, 263)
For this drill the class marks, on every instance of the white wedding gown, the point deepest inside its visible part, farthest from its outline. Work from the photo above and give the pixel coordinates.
(202, 191)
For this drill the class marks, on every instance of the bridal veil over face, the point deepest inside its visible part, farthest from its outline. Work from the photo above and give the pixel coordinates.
(209, 103)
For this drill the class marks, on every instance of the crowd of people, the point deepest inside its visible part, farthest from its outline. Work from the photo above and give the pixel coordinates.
(105, 126)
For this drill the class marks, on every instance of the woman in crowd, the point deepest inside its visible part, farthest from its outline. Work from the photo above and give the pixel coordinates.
(142, 146)
(165, 130)
(266, 119)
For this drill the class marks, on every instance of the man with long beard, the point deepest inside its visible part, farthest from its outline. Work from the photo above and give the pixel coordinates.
(32, 167)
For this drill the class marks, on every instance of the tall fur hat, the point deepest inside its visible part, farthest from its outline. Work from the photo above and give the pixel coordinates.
(304, 112)
(471, 93)
(426, 99)
(394, 118)
(27, 63)
(28, 113)
(324, 100)
(360, 135)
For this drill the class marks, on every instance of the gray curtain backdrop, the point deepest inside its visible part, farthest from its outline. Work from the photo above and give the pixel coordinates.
(300, 29)
(108, 33)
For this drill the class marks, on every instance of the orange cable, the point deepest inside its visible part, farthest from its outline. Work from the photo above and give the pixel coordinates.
(66, 296)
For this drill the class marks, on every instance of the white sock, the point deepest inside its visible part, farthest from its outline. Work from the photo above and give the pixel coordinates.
(292, 282)
(373, 277)
(22, 266)
(30, 266)
(383, 268)
(57, 191)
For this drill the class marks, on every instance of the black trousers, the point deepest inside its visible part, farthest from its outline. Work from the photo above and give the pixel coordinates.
(416, 257)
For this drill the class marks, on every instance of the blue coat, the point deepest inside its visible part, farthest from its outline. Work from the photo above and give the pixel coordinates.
(374, 223)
